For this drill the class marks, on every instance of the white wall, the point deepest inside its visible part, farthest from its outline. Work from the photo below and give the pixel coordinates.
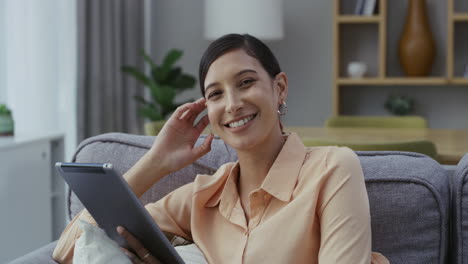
(305, 54)
(2, 53)
(40, 76)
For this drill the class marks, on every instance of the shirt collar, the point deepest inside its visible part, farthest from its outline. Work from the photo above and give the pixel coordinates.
(279, 182)
(283, 174)
(228, 192)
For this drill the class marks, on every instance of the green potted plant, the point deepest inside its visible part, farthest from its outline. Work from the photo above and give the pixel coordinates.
(6, 121)
(399, 104)
(164, 82)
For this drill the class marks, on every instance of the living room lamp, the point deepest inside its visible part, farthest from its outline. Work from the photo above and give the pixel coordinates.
(260, 18)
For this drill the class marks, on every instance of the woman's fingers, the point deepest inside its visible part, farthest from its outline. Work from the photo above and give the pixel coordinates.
(202, 124)
(133, 258)
(132, 241)
(204, 148)
(142, 253)
(194, 109)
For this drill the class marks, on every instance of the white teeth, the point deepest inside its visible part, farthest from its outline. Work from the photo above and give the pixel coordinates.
(241, 122)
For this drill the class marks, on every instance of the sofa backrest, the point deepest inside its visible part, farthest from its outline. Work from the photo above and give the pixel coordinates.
(460, 212)
(408, 192)
(409, 198)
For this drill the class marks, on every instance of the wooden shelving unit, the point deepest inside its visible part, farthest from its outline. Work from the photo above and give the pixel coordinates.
(393, 81)
(459, 81)
(379, 23)
(351, 19)
(460, 17)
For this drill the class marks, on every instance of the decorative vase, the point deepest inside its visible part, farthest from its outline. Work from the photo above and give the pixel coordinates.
(6, 125)
(357, 69)
(416, 49)
(153, 128)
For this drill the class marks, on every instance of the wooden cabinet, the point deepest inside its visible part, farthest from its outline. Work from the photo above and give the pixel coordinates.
(32, 194)
(374, 41)
(457, 39)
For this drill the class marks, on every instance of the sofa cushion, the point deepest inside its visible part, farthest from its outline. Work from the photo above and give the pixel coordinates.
(460, 211)
(41, 255)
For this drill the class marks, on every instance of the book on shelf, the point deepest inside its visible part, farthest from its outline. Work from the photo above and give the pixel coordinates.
(359, 7)
(369, 8)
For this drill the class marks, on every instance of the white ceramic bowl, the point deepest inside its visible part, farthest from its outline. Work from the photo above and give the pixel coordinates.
(357, 69)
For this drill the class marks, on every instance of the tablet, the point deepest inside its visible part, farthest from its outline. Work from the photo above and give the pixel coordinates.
(111, 202)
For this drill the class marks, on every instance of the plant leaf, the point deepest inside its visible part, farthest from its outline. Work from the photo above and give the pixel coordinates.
(157, 75)
(148, 59)
(137, 74)
(169, 60)
(155, 92)
(140, 99)
(149, 113)
(184, 81)
(165, 97)
(4, 110)
(144, 102)
(173, 75)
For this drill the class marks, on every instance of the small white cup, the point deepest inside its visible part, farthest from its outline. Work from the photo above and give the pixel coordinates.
(357, 69)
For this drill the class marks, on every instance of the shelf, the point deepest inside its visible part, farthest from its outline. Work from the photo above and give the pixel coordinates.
(394, 81)
(355, 19)
(459, 80)
(460, 17)
(374, 40)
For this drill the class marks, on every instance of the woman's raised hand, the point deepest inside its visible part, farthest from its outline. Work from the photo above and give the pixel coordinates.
(174, 147)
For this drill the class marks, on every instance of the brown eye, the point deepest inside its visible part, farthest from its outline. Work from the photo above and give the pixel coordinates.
(213, 94)
(246, 82)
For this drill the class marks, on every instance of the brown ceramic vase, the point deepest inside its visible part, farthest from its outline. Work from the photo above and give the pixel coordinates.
(416, 49)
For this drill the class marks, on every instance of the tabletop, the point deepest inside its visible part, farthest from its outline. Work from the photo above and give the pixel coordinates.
(451, 144)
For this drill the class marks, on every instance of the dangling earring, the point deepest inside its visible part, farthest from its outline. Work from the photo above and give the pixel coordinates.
(283, 109)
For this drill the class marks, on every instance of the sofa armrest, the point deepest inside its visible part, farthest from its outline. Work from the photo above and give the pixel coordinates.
(41, 255)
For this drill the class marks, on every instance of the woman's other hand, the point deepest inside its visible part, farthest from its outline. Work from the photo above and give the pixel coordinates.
(137, 253)
(174, 147)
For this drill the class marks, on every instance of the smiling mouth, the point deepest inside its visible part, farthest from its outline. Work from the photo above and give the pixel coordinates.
(241, 122)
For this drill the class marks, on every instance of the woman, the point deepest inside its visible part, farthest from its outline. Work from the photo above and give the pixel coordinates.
(279, 203)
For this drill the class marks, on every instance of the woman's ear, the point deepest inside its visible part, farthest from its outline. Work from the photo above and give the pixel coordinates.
(281, 83)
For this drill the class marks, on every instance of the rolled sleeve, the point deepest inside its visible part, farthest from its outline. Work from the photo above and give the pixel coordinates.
(344, 211)
(173, 212)
(63, 252)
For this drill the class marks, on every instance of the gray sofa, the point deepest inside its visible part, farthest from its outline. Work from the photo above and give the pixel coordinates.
(418, 207)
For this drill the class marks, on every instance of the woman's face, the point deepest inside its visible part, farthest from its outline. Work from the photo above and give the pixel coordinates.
(242, 100)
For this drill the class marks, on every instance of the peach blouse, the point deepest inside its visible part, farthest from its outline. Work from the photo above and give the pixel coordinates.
(311, 208)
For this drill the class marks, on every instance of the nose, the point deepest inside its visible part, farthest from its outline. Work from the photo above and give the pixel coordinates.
(234, 102)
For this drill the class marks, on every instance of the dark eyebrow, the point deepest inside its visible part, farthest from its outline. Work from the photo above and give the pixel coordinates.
(236, 75)
(244, 71)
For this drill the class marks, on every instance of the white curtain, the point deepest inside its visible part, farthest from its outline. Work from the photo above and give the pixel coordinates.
(38, 67)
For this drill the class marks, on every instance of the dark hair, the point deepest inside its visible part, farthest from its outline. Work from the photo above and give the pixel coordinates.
(251, 45)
